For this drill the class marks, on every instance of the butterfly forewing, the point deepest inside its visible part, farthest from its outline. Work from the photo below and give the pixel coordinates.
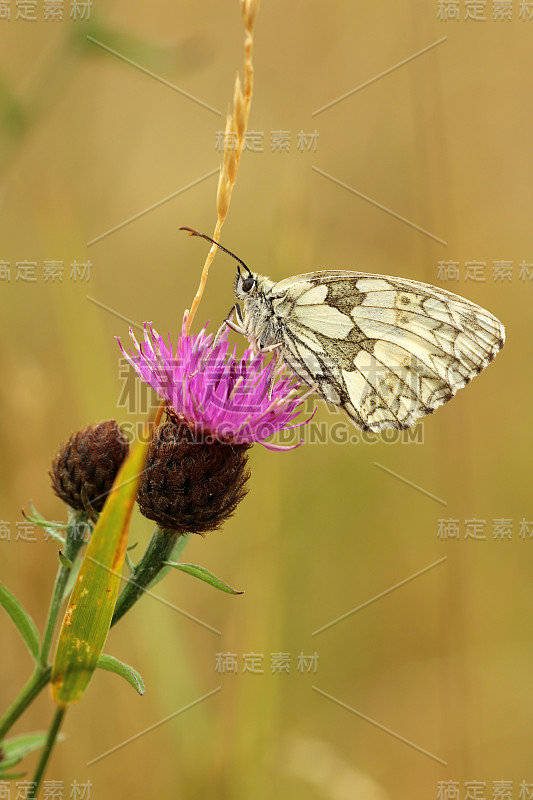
(388, 350)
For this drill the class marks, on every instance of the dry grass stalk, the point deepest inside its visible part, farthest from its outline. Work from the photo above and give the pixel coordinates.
(236, 126)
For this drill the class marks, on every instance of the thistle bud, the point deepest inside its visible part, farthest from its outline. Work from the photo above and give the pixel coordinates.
(192, 484)
(85, 467)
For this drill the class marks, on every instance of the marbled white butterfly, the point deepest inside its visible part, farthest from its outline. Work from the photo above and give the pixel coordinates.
(387, 350)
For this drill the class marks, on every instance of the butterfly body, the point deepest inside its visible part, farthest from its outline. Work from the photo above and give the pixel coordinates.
(387, 350)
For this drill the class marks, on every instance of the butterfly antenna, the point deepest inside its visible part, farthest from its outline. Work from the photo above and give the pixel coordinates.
(192, 232)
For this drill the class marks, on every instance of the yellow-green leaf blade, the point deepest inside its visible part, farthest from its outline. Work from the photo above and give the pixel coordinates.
(90, 610)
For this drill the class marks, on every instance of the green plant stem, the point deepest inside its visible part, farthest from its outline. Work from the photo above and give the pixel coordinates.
(53, 612)
(162, 547)
(36, 684)
(46, 753)
(41, 675)
(150, 567)
(73, 544)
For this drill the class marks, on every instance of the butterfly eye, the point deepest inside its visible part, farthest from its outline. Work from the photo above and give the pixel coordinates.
(248, 283)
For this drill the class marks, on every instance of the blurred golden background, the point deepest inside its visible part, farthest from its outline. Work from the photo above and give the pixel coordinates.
(90, 141)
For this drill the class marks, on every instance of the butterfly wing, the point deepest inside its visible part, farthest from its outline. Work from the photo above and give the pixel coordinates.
(388, 350)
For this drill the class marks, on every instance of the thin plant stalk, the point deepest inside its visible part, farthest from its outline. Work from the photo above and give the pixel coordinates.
(234, 137)
(46, 753)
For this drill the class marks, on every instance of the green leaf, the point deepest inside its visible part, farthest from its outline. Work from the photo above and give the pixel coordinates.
(129, 563)
(112, 664)
(66, 562)
(51, 528)
(13, 750)
(90, 610)
(54, 534)
(204, 575)
(38, 518)
(22, 620)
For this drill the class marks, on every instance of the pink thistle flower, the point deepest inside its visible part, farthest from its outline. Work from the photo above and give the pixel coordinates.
(234, 400)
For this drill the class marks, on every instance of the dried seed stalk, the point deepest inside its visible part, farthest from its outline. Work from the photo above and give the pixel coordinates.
(236, 126)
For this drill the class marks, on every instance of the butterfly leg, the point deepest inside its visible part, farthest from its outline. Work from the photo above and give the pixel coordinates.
(239, 325)
(228, 323)
(279, 362)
